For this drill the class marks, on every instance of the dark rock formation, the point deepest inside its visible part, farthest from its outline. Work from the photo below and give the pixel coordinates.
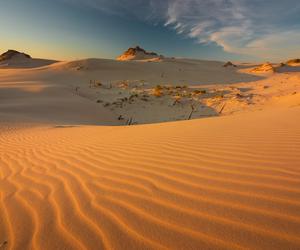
(229, 64)
(134, 51)
(12, 53)
(138, 53)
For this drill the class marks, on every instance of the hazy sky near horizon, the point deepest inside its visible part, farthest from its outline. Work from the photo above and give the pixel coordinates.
(208, 29)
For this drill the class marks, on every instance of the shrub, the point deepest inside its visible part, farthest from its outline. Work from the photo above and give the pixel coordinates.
(197, 91)
(293, 61)
(158, 91)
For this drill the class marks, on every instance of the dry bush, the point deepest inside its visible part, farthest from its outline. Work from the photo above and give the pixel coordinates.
(177, 99)
(158, 87)
(219, 96)
(123, 84)
(181, 87)
(282, 65)
(133, 96)
(158, 91)
(293, 61)
(199, 92)
(95, 84)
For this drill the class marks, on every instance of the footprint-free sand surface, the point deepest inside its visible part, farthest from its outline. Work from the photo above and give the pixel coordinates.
(226, 182)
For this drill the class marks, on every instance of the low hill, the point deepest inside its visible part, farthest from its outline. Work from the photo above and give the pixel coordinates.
(13, 54)
(16, 59)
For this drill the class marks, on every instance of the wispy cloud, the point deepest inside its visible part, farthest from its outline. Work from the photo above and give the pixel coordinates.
(252, 27)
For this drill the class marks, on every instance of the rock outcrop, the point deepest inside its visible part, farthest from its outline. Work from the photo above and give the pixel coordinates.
(138, 53)
(12, 54)
(293, 62)
(229, 64)
(264, 68)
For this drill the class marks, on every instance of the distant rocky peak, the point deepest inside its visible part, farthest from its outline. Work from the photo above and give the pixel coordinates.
(137, 49)
(10, 54)
(137, 53)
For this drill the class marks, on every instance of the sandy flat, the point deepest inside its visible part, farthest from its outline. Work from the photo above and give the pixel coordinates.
(226, 182)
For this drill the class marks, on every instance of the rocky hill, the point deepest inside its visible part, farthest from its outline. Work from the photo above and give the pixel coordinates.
(138, 53)
(16, 59)
(13, 54)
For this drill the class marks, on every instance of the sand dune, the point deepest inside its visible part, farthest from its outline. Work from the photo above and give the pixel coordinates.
(205, 184)
(229, 182)
(175, 71)
(36, 94)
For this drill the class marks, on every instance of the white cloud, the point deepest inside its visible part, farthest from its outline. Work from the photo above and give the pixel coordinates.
(280, 45)
(256, 28)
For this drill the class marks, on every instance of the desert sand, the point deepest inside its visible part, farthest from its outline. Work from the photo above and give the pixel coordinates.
(211, 159)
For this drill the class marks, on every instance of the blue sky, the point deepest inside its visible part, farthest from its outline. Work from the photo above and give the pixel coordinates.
(245, 30)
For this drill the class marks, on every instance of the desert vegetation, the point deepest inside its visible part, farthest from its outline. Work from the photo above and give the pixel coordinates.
(136, 100)
(293, 61)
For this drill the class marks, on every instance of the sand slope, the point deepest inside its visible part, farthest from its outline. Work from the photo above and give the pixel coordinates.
(62, 93)
(222, 183)
(229, 182)
(42, 96)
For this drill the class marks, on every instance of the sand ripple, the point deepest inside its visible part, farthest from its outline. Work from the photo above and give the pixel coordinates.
(225, 183)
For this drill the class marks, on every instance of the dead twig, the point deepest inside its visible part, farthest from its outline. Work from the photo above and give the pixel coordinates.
(129, 122)
(220, 112)
(193, 110)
